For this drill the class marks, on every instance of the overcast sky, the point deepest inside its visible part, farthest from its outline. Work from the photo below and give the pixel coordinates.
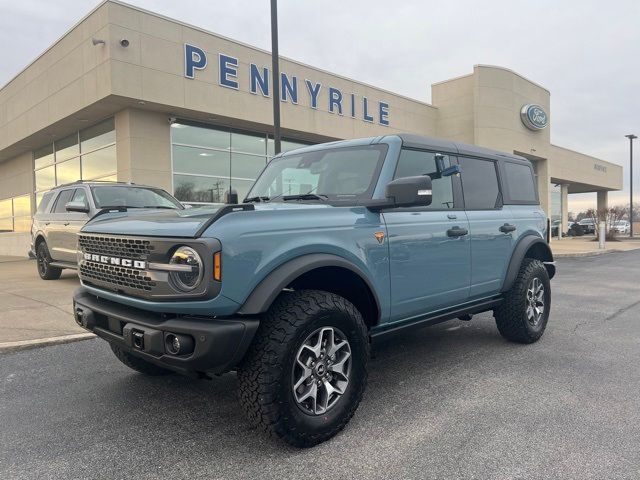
(584, 51)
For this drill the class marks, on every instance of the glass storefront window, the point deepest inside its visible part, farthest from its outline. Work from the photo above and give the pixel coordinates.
(43, 156)
(201, 161)
(22, 206)
(88, 154)
(68, 171)
(97, 136)
(203, 157)
(15, 214)
(46, 178)
(246, 166)
(200, 136)
(188, 188)
(285, 146)
(67, 148)
(99, 163)
(241, 142)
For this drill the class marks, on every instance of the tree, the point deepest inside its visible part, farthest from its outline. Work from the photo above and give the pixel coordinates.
(609, 216)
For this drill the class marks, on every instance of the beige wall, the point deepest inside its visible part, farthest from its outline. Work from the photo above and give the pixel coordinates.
(573, 167)
(455, 100)
(152, 69)
(16, 176)
(143, 147)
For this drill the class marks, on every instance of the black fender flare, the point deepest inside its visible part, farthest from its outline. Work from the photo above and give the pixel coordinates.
(263, 295)
(519, 254)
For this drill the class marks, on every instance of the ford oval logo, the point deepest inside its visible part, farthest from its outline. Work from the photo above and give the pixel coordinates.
(534, 117)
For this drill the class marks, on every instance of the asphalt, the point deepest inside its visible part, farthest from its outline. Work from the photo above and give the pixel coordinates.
(451, 401)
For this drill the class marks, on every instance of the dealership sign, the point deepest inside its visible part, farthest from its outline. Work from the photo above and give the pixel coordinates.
(534, 117)
(292, 87)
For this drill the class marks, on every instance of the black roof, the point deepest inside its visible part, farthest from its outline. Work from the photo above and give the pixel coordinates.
(430, 143)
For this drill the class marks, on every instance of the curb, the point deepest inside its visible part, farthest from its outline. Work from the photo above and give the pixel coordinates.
(43, 342)
(588, 254)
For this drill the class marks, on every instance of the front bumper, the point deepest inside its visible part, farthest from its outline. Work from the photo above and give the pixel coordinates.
(218, 343)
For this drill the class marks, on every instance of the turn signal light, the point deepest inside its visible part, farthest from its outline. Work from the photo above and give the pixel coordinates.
(217, 266)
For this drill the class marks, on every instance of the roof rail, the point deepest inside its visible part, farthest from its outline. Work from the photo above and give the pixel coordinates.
(80, 182)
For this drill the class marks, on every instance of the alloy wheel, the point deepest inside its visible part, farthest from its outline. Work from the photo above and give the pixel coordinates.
(321, 370)
(535, 301)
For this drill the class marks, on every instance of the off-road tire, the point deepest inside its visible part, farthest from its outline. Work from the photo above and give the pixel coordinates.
(511, 317)
(43, 259)
(137, 363)
(265, 375)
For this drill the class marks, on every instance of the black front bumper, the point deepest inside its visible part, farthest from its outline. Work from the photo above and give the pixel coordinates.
(218, 343)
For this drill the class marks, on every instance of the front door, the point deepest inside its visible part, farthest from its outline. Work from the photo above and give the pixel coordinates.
(492, 227)
(429, 249)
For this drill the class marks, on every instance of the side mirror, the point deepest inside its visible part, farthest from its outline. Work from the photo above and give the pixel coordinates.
(409, 191)
(79, 207)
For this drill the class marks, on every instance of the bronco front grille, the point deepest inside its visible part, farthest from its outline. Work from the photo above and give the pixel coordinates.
(133, 248)
(117, 276)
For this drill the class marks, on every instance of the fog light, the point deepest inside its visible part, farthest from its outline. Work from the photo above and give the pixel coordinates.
(178, 344)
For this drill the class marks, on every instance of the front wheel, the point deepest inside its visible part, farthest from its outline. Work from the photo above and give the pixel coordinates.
(523, 315)
(43, 260)
(305, 374)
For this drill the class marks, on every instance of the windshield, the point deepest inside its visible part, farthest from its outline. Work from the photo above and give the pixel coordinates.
(133, 197)
(347, 173)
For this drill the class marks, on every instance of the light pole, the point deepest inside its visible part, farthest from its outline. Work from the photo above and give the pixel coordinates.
(275, 70)
(631, 138)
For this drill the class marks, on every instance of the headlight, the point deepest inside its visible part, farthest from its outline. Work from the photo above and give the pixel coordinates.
(189, 277)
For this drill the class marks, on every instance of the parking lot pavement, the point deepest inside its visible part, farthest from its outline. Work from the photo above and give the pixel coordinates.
(32, 308)
(451, 401)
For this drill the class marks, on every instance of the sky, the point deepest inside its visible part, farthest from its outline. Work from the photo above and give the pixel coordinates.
(583, 51)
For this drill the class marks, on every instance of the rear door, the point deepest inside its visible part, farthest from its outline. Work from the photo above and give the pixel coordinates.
(429, 250)
(491, 226)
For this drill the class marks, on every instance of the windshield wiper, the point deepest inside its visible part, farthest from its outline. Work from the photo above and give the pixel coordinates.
(160, 206)
(256, 199)
(306, 196)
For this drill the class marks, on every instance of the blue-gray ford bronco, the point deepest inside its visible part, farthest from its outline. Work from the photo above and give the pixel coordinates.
(335, 246)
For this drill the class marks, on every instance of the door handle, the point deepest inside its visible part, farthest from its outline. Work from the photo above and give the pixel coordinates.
(457, 232)
(46, 223)
(66, 224)
(506, 228)
(451, 216)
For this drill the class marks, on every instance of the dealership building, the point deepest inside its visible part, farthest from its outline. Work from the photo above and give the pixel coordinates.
(133, 96)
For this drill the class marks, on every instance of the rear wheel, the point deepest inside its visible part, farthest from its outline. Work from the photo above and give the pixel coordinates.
(137, 363)
(523, 315)
(43, 260)
(305, 374)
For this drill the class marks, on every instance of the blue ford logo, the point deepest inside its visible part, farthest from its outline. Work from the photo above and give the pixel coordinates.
(534, 117)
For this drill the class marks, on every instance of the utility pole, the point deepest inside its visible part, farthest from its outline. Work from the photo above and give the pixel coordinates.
(275, 72)
(631, 138)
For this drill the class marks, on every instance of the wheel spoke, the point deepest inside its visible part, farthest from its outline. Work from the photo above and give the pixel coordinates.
(321, 371)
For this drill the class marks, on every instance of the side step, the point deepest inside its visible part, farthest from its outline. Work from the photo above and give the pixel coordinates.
(71, 265)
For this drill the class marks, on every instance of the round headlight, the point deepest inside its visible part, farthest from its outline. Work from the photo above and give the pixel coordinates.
(189, 275)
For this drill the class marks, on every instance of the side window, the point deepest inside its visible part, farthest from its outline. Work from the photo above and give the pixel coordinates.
(63, 199)
(44, 202)
(519, 182)
(415, 162)
(80, 196)
(479, 184)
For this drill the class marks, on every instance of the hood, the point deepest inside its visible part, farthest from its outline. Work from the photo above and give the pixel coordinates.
(174, 223)
(151, 222)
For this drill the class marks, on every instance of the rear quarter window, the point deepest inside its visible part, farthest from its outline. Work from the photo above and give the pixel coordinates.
(520, 183)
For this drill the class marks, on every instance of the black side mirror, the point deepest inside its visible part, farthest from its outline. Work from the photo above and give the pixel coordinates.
(409, 191)
(80, 207)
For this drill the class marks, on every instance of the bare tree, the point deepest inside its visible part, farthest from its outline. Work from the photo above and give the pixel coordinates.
(609, 216)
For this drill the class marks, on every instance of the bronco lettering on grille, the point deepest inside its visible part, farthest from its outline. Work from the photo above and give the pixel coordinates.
(123, 262)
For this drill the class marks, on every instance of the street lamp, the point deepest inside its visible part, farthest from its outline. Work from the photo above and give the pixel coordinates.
(631, 138)
(275, 70)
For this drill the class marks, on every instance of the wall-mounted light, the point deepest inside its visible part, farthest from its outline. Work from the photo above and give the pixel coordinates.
(124, 43)
(97, 41)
